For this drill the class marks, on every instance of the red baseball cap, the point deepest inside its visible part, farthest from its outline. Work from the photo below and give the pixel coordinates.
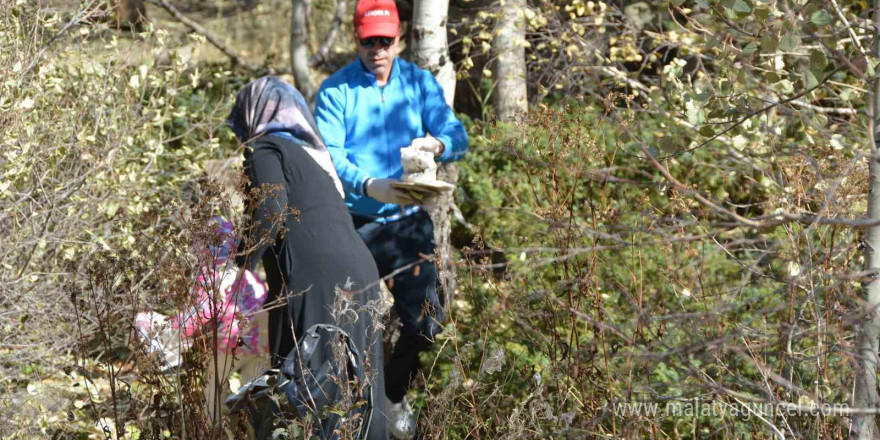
(376, 18)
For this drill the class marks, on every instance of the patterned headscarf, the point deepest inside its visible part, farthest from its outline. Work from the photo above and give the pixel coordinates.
(268, 105)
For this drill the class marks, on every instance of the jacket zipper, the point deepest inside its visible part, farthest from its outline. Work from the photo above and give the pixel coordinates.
(384, 118)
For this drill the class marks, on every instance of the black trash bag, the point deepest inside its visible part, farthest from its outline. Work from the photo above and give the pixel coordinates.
(322, 390)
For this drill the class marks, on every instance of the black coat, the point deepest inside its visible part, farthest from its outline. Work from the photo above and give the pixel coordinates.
(318, 260)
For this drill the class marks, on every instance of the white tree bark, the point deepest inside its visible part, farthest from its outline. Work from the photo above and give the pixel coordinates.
(429, 47)
(299, 49)
(510, 98)
(430, 52)
(866, 371)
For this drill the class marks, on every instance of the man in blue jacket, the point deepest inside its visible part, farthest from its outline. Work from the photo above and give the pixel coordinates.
(367, 112)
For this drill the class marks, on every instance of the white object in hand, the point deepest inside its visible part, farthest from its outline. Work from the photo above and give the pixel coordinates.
(429, 144)
(418, 165)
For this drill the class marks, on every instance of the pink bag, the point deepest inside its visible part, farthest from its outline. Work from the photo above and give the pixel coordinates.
(223, 291)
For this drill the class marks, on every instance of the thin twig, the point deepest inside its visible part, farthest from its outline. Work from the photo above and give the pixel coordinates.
(754, 113)
(78, 18)
(769, 221)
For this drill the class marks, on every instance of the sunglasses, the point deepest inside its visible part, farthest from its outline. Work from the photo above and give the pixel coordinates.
(368, 43)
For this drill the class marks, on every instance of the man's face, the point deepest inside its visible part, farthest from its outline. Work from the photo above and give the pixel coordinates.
(378, 54)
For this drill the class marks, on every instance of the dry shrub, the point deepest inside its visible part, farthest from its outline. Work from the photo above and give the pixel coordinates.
(100, 204)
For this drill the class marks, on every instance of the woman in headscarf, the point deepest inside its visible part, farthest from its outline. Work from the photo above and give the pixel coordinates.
(303, 233)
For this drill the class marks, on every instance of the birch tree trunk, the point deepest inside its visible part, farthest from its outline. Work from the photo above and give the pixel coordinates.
(430, 52)
(866, 370)
(510, 62)
(299, 49)
(429, 47)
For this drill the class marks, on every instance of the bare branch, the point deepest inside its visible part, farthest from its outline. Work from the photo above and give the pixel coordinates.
(849, 28)
(830, 110)
(199, 29)
(321, 55)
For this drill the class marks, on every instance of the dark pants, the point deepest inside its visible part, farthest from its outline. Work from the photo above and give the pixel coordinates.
(396, 245)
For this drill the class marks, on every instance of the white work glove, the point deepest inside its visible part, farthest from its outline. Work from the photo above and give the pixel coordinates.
(429, 144)
(381, 190)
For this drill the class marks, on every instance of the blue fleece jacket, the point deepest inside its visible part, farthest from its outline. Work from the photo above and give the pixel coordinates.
(365, 126)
